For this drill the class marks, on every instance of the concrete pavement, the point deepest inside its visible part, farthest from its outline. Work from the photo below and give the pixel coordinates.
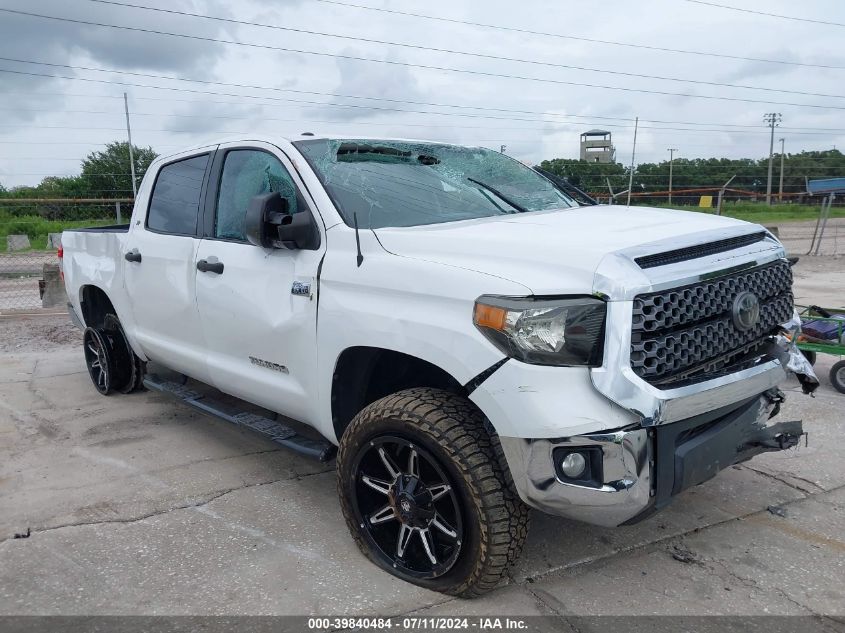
(138, 505)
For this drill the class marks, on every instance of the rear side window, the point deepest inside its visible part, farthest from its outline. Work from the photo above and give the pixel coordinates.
(174, 205)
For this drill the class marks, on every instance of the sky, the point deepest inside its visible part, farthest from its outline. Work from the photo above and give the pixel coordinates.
(489, 73)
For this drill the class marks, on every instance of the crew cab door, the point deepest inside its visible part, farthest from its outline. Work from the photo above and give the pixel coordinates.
(159, 265)
(258, 306)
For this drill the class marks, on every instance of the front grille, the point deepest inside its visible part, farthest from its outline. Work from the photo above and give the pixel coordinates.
(689, 331)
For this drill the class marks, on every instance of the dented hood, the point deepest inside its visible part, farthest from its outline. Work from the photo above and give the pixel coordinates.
(550, 252)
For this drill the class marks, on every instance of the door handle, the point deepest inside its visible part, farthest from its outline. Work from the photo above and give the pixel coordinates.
(133, 256)
(205, 266)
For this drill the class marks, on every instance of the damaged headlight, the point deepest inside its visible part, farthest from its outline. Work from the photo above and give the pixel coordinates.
(566, 331)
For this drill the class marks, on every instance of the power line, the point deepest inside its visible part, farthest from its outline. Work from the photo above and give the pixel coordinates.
(568, 124)
(421, 66)
(573, 37)
(332, 94)
(344, 105)
(464, 53)
(771, 15)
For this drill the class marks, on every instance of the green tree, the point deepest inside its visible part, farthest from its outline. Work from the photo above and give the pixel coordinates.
(590, 177)
(107, 172)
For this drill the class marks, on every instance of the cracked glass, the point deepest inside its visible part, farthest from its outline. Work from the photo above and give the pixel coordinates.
(248, 173)
(393, 183)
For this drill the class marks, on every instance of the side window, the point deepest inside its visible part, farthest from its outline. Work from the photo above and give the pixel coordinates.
(248, 173)
(174, 204)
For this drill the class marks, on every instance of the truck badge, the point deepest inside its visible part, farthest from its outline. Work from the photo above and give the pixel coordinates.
(746, 311)
(301, 289)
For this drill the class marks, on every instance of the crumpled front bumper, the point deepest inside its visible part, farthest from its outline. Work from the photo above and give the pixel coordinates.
(643, 468)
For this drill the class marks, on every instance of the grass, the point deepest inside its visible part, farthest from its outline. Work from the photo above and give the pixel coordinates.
(37, 228)
(761, 213)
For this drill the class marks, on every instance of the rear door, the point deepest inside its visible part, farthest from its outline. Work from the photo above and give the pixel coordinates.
(160, 270)
(258, 306)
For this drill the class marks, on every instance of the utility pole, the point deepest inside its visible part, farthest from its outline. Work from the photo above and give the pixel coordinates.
(671, 151)
(502, 148)
(131, 153)
(780, 189)
(633, 155)
(773, 119)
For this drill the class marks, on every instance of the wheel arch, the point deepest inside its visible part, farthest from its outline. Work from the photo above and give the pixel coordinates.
(94, 304)
(364, 374)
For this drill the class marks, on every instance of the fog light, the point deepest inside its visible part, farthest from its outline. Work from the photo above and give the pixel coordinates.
(573, 465)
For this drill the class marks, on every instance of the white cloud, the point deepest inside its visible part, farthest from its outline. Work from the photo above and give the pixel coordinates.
(528, 135)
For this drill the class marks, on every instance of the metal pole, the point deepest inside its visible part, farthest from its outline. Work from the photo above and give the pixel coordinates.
(131, 153)
(772, 118)
(117, 212)
(722, 194)
(780, 189)
(824, 218)
(672, 151)
(633, 155)
(610, 189)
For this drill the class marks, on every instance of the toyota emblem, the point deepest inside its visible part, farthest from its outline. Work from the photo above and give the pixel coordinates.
(746, 311)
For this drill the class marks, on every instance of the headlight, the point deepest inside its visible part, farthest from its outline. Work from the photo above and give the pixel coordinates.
(544, 331)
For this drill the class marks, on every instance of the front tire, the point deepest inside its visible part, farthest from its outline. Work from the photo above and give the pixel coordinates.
(426, 494)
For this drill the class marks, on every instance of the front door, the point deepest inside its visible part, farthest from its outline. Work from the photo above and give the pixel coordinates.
(257, 306)
(159, 273)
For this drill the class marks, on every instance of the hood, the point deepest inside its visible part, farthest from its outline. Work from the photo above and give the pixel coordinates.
(554, 252)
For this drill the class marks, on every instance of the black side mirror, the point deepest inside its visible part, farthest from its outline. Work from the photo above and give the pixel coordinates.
(269, 224)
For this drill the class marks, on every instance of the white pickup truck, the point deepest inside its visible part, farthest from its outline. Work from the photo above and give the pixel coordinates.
(472, 341)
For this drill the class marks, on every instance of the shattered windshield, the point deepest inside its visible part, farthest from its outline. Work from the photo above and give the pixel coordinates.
(391, 183)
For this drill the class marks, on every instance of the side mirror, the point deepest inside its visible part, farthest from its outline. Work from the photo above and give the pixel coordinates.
(269, 224)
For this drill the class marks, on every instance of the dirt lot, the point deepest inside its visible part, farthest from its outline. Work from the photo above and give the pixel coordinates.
(138, 505)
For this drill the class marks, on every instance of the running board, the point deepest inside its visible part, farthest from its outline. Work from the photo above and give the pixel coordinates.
(320, 450)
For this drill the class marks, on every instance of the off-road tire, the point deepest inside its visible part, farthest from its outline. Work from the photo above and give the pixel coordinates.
(129, 369)
(454, 431)
(98, 359)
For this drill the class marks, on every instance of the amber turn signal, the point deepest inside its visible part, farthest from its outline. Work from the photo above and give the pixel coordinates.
(490, 316)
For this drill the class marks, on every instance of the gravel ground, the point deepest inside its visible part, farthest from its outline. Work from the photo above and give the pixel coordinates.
(37, 333)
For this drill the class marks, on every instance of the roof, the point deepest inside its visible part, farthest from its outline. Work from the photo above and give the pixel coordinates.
(288, 138)
(827, 185)
(595, 132)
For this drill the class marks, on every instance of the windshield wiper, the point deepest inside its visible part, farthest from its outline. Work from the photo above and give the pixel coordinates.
(499, 194)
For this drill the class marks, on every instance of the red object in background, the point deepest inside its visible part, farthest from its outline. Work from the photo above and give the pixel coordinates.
(61, 253)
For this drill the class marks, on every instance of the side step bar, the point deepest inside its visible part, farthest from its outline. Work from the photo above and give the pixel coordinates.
(279, 433)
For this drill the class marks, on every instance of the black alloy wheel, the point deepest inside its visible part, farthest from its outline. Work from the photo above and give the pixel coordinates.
(426, 493)
(98, 359)
(407, 507)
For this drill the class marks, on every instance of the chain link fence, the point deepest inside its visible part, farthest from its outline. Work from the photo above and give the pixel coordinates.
(30, 235)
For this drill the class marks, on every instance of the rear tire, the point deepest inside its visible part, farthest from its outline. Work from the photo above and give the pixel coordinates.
(448, 518)
(837, 376)
(129, 369)
(98, 359)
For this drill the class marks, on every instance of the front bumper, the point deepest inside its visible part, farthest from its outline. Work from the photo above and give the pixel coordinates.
(643, 468)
